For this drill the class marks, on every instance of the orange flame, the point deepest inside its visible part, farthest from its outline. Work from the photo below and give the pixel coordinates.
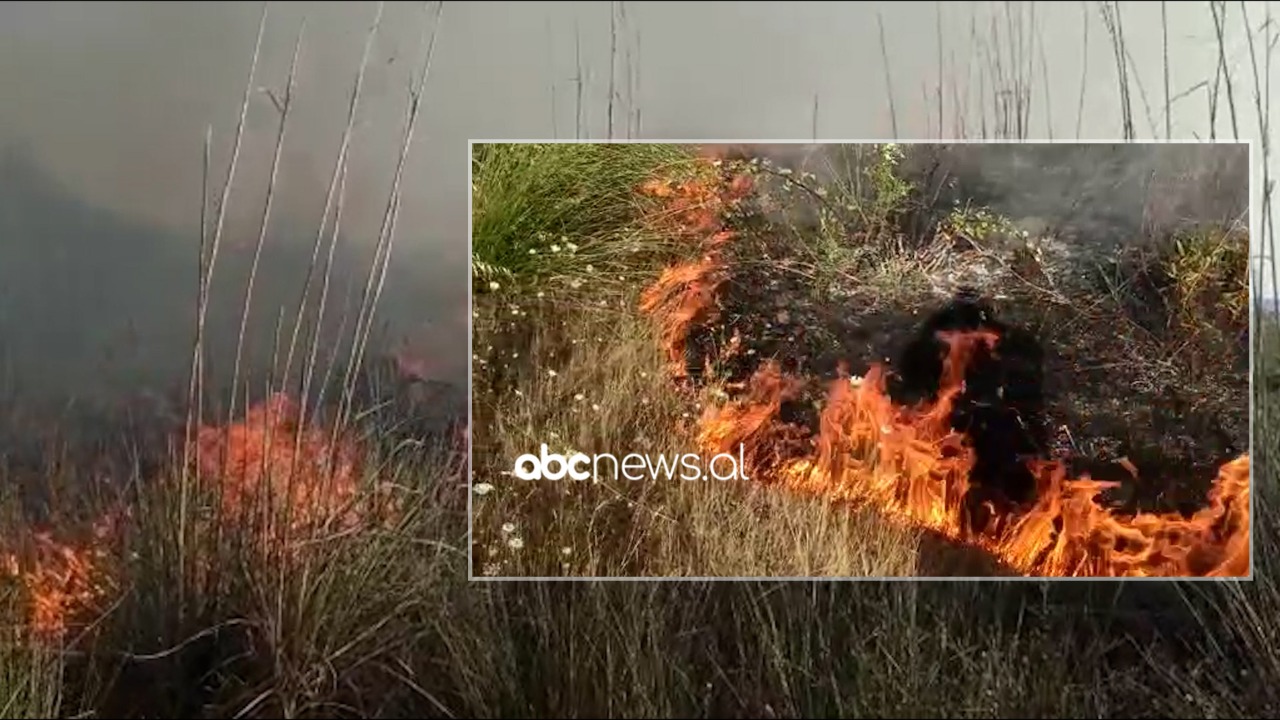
(684, 296)
(911, 465)
(695, 207)
(62, 582)
(908, 462)
(268, 460)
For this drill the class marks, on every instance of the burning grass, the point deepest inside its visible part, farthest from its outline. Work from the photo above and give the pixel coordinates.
(277, 483)
(685, 296)
(289, 548)
(59, 583)
(300, 479)
(909, 462)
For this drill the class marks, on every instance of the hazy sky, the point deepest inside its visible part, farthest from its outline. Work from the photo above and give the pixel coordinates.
(109, 103)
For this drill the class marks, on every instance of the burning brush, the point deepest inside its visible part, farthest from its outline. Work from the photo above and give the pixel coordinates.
(952, 439)
(993, 376)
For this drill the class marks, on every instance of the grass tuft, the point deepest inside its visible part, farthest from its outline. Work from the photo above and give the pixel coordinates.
(548, 211)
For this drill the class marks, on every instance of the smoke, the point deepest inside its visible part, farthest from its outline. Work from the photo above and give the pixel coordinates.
(107, 105)
(1105, 195)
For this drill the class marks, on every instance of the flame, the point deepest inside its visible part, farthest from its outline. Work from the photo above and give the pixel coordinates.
(696, 206)
(908, 462)
(58, 582)
(684, 297)
(62, 582)
(269, 460)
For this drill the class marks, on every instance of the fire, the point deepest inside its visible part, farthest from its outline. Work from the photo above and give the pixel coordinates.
(62, 582)
(696, 206)
(268, 460)
(909, 463)
(684, 296)
(751, 423)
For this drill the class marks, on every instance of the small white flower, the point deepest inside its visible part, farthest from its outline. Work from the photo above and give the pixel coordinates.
(508, 528)
(595, 407)
(551, 373)
(566, 551)
(482, 488)
(493, 285)
(555, 248)
(579, 397)
(515, 543)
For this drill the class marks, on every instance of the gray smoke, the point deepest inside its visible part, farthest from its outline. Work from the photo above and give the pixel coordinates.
(105, 108)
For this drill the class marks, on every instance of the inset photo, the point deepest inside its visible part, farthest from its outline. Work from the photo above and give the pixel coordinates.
(860, 360)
